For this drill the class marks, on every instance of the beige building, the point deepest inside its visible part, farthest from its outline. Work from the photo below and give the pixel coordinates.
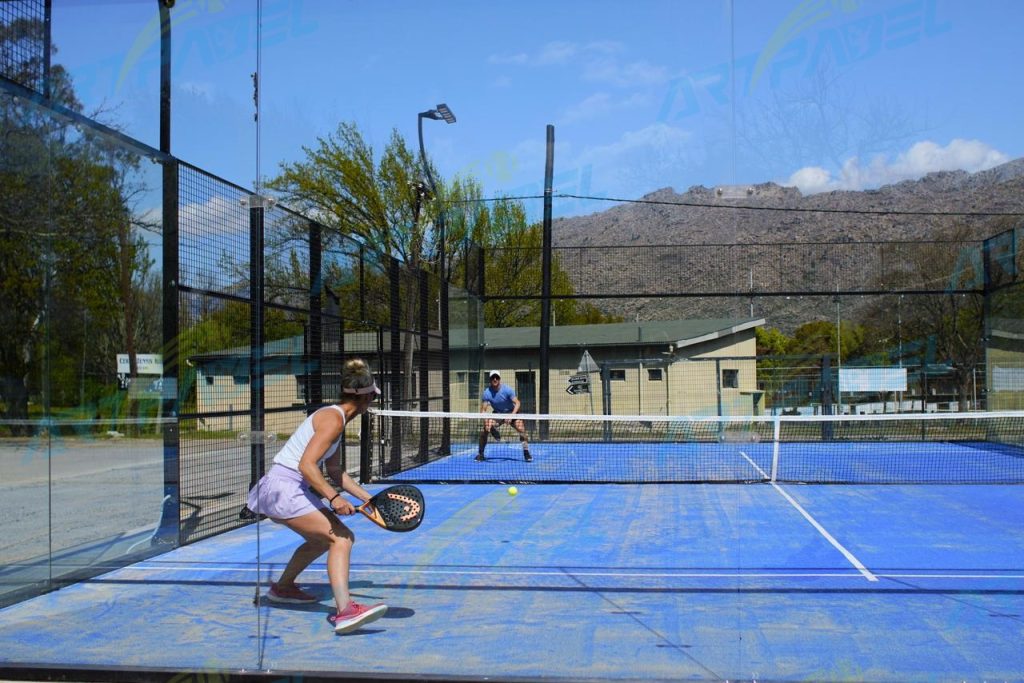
(668, 367)
(674, 367)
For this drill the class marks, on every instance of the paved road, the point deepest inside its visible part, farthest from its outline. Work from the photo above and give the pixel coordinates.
(59, 495)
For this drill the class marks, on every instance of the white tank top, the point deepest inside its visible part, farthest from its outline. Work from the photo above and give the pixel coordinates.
(291, 453)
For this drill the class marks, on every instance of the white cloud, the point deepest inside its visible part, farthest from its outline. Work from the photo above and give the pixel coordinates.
(969, 155)
(598, 62)
(811, 179)
(601, 103)
(922, 158)
(623, 75)
(218, 215)
(640, 161)
(556, 53)
(635, 164)
(518, 58)
(595, 105)
(202, 91)
(656, 135)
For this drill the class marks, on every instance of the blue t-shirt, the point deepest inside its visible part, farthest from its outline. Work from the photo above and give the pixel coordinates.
(500, 400)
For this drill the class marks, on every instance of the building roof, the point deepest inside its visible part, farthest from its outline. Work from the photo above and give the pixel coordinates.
(680, 333)
(1008, 328)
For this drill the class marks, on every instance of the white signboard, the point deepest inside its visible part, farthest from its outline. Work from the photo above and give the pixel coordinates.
(147, 363)
(1007, 379)
(872, 379)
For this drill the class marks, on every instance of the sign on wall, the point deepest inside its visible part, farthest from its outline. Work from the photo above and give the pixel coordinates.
(872, 379)
(146, 363)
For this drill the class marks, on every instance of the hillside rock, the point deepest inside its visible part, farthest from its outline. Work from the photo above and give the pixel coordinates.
(768, 215)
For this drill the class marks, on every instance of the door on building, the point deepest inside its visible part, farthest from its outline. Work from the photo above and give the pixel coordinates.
(526, 390)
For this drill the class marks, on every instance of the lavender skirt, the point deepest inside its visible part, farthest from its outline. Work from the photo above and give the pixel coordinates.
(282, 493)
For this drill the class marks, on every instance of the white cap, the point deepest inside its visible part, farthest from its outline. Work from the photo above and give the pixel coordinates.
(493, 373)
(361, 391)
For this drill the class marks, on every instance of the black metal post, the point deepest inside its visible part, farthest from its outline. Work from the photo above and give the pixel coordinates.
(606, 398)
(168, 531)
(442, 112)
(395, 369)
(256, 286)
(545, 310)
(313, 363)
(165, 77)
(48, 46)
(424, 364)
(827, 397)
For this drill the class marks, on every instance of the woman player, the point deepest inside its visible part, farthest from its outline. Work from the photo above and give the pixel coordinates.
(293, 491)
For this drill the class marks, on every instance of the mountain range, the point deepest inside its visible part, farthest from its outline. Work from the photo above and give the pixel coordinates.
(947, 205)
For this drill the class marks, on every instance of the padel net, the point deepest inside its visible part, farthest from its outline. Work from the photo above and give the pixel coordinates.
(930, 448)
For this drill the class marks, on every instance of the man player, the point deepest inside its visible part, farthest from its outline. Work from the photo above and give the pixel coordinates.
(503, 401)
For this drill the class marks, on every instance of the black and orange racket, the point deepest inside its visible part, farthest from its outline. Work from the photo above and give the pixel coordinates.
(397, 508)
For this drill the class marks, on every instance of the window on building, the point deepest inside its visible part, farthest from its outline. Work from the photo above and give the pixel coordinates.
(241, 379)
(654, 374)
(730, 379)
(209, 380)
(526, 390)
(617, 375)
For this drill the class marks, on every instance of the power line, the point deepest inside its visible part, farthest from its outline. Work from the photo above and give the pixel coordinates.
(789, 209)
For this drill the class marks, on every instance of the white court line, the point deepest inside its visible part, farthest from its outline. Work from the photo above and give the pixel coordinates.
(507, 571)
(865, 572)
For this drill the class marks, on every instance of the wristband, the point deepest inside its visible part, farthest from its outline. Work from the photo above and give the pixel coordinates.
(336, 495)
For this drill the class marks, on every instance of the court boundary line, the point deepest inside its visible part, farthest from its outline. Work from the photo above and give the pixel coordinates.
(561, 571)
(850, 557)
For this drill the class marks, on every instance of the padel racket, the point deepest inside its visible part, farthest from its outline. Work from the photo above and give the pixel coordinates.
(397, 508)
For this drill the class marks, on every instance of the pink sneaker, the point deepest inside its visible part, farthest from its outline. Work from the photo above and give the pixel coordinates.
(356, 615)
(292, 595)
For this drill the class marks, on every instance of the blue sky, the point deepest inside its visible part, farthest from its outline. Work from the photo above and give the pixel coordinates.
(643, 95)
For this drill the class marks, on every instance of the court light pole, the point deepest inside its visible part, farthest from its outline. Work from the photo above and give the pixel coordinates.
(440, 113)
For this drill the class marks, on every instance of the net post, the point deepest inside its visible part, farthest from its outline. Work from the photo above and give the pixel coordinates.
(827, 396)
(776, 433)
(606, 399)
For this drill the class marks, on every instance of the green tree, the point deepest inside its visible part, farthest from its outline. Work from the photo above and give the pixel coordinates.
(771, 341)
(385, 203)
(514, 267)
(819, 337)
(344, 186)
(74, 272)
(949, 324)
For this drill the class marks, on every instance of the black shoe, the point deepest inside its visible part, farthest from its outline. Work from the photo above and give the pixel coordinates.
(527, 457)
(479, 457)
(495, 434)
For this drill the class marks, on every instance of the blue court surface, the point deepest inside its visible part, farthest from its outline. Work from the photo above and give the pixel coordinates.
(589, 582)
(869, 462)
